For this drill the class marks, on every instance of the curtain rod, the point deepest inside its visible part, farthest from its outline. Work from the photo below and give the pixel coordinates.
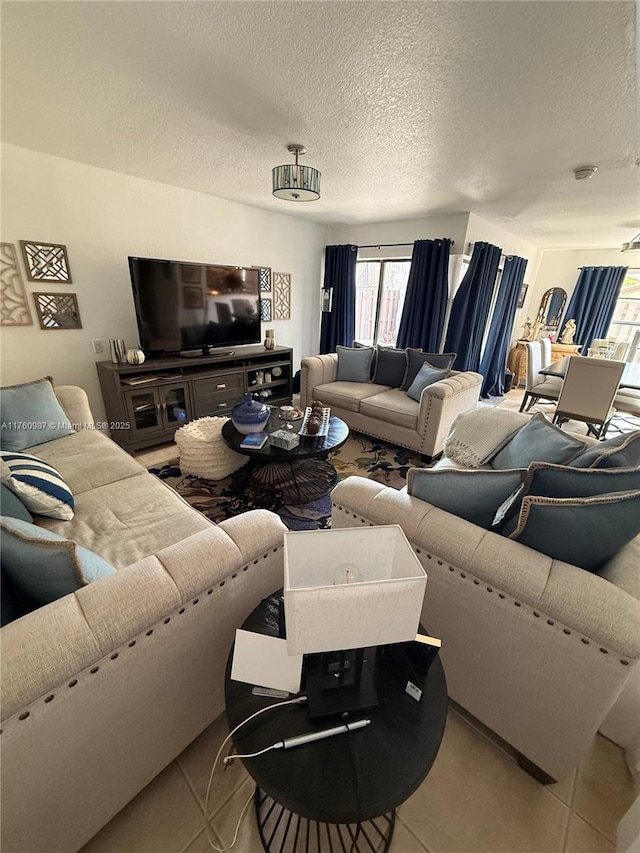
(389, 245)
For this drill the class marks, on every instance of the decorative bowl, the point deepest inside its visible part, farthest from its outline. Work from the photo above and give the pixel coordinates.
(250, 415)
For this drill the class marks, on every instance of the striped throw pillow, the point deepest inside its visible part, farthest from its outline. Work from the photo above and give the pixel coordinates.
(38, 485)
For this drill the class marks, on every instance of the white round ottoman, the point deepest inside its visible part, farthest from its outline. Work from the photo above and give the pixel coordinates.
(203, 452)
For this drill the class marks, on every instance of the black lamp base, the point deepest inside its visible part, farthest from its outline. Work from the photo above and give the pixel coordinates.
(342, 700)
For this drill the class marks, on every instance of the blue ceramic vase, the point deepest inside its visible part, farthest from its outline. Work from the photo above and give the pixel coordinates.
(250, 415)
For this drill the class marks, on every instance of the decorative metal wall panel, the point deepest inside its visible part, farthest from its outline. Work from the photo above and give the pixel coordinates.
(46, 261)
(14, 309)
(265, 310)
(265, 279)
(57, 310)
(281, 296)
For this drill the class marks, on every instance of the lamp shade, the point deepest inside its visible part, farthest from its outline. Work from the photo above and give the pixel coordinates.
(350, 588)
(296, 183)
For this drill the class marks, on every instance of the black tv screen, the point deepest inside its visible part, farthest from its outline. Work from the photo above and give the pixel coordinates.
(186, 306)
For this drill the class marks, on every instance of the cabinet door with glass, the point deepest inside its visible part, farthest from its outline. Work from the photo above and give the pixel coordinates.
(154, 410)
(175, 404)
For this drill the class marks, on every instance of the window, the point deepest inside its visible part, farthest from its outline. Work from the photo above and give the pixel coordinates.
(381, 287)
(625, 326)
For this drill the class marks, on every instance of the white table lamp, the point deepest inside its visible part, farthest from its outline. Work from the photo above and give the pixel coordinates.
(350, 588)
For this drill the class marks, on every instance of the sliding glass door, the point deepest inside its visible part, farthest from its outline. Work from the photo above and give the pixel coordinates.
(381, 287)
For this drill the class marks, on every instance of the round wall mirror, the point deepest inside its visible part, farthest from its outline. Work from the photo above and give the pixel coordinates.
(551, 309)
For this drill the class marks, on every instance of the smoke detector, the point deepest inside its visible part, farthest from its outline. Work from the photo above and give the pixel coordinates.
(585, 172)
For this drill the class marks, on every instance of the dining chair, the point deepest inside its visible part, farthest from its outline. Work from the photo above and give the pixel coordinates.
(588, 392)
(545, 352)
(538, 387)
(620, 351)
(601, 348)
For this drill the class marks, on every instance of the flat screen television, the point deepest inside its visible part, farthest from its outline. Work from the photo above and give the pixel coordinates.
(189, 308)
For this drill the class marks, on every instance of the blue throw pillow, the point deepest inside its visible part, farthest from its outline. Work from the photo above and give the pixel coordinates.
(46, 566)
(354, 364)
(585, 532)
(12, 506)
(31, 414)
(427, 375)
(538, 441)
(472, 495)
(621, 451)
(38, 485)
(561, 481)
(416, 358)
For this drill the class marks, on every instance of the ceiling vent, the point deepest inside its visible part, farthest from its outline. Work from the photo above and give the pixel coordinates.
(585, 172)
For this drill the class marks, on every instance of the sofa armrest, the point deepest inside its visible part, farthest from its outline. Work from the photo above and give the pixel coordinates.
(125, 673)
(75, 403)
(47, 647)
(440, 405)
(581, 601)
(316, 370)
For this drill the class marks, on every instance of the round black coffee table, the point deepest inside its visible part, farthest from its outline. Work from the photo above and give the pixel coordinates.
(341, 793)
(300, 475)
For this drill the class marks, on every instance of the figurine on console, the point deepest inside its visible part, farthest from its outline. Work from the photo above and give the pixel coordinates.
(569, 332)
(526, 330)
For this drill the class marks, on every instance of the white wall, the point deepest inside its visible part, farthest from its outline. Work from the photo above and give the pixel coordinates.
(103, 217)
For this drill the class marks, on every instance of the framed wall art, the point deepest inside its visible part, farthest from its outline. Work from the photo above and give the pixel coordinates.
(57, 310)
(46, 261)
(190, 273)
(266, 315)
(281, 296)
(14, 309)
(522, 295)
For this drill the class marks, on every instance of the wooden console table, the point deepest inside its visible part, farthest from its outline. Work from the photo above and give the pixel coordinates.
(517, 361)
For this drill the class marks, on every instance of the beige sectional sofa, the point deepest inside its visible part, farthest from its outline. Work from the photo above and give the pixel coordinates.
(389, 413)
(535, 648)
(101, 689)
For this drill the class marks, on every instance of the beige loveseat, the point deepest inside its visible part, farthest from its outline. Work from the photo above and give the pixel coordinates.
(103, 688)
(535, 648)
(389, 413)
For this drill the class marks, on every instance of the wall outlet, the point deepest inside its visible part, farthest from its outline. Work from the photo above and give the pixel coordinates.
(98, 345)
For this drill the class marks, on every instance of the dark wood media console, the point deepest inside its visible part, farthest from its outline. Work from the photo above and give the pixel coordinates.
(146, 403)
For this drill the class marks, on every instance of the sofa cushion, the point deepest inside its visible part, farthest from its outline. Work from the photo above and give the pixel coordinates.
(478, 435)
(426, 376)
(38, 485)
(416, 358)
(393, 407)
(31, 415)
(390, 366)
(538, 441)
(473, 495)
(621, 451)
(88, 459)
(45, 566)
(12, 506)
(347, 395)
(561, 481)
(130, 519)
(585, 532)
(354, 364)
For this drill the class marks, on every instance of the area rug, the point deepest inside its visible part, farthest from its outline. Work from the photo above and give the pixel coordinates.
(219, 499)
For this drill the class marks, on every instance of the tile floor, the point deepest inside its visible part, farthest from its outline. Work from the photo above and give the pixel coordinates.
(475, 799)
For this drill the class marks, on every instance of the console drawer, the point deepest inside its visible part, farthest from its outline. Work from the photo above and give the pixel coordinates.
(216, 395)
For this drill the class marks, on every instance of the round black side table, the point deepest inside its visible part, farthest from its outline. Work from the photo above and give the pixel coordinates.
(341, 793)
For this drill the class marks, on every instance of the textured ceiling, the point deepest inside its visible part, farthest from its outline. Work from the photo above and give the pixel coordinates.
(408, 109)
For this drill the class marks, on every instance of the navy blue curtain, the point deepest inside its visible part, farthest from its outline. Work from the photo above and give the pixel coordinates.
(494, 358)
(339, 325)
(593, 302)
(425, 304)
(470, 308)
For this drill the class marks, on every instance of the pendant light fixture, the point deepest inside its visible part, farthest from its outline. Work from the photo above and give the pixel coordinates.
(293, 182)
(632, 245)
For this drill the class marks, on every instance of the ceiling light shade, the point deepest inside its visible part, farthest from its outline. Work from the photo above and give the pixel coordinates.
(632, 245)
(293, 182)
